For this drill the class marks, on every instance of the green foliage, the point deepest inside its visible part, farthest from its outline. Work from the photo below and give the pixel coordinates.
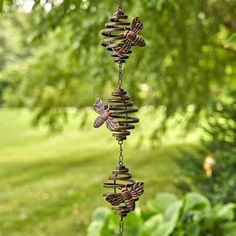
(181, 71)
(192, 215)
(232, 40)
(1, 5)
(220, 140)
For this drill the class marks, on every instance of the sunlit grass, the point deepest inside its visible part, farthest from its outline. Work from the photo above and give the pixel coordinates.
(50, 184)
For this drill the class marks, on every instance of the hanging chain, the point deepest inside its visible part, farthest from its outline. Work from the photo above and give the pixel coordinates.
(120, 76)
(121, 227)
(121, 157)
(120, 5)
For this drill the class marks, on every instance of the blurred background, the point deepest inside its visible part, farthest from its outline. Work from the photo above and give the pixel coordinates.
(53, 163)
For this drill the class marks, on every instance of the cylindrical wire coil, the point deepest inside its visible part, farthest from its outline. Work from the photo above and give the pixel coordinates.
(114, 31)
(121, 107)
(120, 178)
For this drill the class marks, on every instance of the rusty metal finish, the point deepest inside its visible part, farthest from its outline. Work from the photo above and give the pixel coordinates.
(121, 107)
(127, 196)
(132, 37)
(125, 191)
(114, 33)
(121, 36)
(104, 116)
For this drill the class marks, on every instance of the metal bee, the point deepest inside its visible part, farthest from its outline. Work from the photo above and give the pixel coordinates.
(132, 37)
(104, 116)
(127, 196)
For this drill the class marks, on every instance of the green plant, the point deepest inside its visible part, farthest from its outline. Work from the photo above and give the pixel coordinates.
(167, 215)
(219, 139)
(187, 59)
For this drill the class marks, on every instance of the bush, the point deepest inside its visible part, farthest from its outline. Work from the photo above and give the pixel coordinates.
(167, 215)
(220, 140)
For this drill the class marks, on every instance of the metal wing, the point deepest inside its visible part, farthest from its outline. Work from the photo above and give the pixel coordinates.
(112, 124)
(136, 25)
(137, 190)
(98, 106)
(115, 199)
(125, 47)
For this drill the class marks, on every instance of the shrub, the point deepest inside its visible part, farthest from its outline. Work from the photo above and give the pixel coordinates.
(167, 215)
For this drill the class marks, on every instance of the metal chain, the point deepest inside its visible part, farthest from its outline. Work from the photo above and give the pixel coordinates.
(121, 157)
(121, 227)
(120, 76)
(120, 5)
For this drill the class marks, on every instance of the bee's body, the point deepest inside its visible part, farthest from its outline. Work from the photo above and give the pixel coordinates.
(101, 119)
(104, 116)
(131, 37)
(128, 199)
(134, 38)
(127, 196)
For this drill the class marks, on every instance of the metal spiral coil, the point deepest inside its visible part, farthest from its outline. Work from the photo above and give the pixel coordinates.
(120, 178)
(114, 31)
(121, 107)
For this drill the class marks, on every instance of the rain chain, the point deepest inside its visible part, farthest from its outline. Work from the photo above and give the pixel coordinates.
(120, 37)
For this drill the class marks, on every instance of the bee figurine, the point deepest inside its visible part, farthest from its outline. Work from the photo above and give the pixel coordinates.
(127, 196)
(104, 116)
(131, 37)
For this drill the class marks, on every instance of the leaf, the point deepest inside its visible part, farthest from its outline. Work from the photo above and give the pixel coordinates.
(195, 201)
(152, 223)
(159, 4)
(161, 202)
(164, 229)
(225, 212)
(100, 213)
(66, 5)
(232, 40)
(171, 218)
(133, 224)
(99, 218)
(229, 229)
(94, 229)
(173, 211)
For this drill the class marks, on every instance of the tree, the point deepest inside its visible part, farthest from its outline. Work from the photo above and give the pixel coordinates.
(186, 68)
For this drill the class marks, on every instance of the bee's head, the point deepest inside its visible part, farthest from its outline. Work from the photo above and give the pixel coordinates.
(123, 188)
(126, 31)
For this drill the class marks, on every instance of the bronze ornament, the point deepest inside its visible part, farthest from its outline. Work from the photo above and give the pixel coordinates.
(118, 115)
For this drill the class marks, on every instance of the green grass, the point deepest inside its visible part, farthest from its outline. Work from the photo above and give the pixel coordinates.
(50, 184)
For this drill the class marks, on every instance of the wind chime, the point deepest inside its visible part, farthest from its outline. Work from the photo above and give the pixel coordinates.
(121, 37)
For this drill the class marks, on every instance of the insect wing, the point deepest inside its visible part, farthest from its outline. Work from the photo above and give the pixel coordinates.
(112, 124)
(98, 106)
(136, 25)
(137, 190)
(125, 47)
(115, 199)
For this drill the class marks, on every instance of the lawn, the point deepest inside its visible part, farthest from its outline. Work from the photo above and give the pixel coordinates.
(50, 184)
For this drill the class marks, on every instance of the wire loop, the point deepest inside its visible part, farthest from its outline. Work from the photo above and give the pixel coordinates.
(121, 227)
(121, 156)
(120, 5)
(120, 76)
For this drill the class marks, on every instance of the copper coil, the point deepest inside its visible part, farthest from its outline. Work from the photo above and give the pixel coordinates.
(121, 107)
(120, 178)
(114, 31)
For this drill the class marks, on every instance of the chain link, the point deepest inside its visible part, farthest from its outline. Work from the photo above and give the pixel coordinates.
(120, 5)
(121, 157)
(120, 76)
(121, 227)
